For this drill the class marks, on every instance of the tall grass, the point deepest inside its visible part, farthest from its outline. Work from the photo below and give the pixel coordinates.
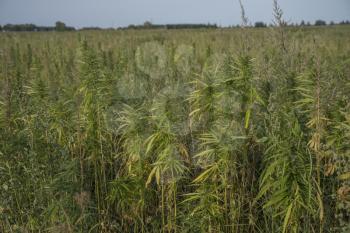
(176, 131)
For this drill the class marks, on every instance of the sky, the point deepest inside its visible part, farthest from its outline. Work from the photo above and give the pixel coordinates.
(120, 13)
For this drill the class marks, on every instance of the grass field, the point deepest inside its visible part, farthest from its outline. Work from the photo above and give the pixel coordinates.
(218, 130)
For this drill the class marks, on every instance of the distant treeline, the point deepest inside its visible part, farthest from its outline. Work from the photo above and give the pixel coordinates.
(303, 23)
(149, 25)
(60, 26)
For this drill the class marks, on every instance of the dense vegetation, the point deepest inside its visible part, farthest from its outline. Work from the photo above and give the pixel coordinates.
(242, 130)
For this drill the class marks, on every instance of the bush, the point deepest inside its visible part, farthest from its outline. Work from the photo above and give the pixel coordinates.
(260, 25)
(320, 23)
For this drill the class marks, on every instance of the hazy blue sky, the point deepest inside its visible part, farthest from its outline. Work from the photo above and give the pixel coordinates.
(115, 13)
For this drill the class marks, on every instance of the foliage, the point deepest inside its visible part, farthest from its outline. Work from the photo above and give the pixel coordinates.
(176, 131)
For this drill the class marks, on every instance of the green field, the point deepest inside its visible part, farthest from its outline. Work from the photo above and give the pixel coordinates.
(202, 131)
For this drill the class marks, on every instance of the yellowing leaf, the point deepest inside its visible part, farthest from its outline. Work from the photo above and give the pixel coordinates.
(287, 217)
(345, 176)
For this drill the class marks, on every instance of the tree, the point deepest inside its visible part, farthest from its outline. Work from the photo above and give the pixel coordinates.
(0, 28)
(302, 23)
(132, 26)
(260, 24)
(147, 24)
(320, 23)
(60, 26)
